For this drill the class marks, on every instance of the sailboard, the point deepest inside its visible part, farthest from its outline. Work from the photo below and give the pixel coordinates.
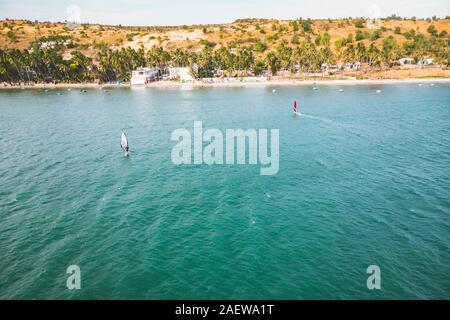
(124, 141)
(295, 108)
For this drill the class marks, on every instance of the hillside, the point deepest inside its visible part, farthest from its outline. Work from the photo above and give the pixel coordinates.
(90, 38)
(255, 44)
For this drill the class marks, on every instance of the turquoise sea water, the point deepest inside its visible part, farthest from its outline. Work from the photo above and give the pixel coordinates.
(364, 179)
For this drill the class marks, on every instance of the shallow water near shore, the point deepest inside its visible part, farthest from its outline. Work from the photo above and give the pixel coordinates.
(363, 180)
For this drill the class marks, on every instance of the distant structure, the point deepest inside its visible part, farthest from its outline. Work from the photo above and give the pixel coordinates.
(425, 62)
(352, 66)
(410, 61)
(373, 23)
(182, 73)
(348, 66)
(374, 17)
(405, 61)
(144, 75)
(52, 44)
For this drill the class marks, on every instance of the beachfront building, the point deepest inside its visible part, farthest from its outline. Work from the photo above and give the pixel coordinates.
(405, 61)
(219, 73)
(144, 75)
(355, 66)
(329, 68)
(425, 62)
(181, 73)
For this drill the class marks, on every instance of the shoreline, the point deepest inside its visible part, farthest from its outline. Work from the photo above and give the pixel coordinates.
(296, 82)
(237, 83)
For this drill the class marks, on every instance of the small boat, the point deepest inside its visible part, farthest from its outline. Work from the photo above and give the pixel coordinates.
(378, 91)
(315, 88)
(341, 90)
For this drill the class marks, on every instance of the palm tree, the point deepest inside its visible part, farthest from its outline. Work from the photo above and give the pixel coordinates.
(245, 60)
(204, 64)
(373, 55)
(273, 62)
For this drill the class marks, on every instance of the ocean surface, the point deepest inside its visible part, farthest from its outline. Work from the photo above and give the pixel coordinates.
(364, 179)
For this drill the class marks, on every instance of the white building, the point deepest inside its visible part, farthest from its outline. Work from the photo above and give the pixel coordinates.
(404, 61)
(52, 44)
(182, 74)
(352, 66)
(374, 23)
(425, 62)
(144, 75)
(330, 68)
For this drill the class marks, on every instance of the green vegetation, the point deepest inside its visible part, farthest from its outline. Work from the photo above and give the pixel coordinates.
(432, 30)
(306, 25)
(361, 35)
(273, 46)
(10, 34)
(360, 23)
(375, 35)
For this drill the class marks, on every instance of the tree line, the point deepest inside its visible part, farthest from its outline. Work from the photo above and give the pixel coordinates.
(53, 63)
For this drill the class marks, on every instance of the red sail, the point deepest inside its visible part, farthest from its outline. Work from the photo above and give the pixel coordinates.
(295, 106)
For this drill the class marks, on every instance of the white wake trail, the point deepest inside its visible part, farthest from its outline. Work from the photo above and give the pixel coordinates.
(345, 127)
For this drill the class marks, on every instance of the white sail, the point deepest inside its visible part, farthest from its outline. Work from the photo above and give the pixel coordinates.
(123, 140)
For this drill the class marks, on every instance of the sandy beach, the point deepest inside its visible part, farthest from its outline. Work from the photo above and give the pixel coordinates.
(232, 83)
(293, 82)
